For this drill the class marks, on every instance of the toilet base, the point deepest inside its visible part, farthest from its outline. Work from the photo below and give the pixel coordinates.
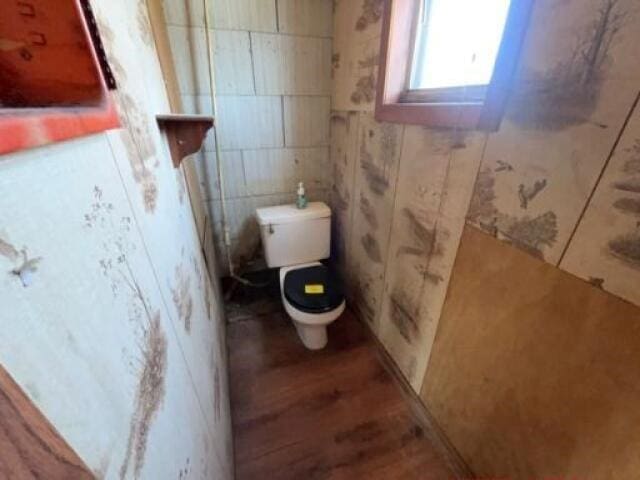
(314, 337)
(311, 327)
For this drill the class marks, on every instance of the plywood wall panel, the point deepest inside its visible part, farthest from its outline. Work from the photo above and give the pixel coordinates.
(437, 170)
(576, 83)
(356, 47)
(533, 371)
(378, 157)
(344, 147)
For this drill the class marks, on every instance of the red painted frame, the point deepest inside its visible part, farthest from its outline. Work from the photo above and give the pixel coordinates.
(395, 55)
(31, 127)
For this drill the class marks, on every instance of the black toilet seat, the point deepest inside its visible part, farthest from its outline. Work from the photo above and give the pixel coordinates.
(314, 289)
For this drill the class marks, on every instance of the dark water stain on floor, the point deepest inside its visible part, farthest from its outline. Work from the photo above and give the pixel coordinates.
(371, 248)
(149, 396)
(361, 433)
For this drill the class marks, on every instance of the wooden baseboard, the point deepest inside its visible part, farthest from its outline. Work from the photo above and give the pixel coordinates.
(425, 419)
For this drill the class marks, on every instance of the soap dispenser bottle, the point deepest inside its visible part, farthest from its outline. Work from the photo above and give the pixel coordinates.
(301, 201)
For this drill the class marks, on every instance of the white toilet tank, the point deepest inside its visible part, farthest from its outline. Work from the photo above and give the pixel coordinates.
(292, 236)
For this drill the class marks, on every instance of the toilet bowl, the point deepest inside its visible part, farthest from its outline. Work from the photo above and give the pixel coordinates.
(294, 240)
(311, 313)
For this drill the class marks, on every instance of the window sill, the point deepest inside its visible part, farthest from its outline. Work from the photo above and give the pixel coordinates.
(436, 115)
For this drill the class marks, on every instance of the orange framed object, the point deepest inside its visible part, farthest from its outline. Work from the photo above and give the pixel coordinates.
(54, 80)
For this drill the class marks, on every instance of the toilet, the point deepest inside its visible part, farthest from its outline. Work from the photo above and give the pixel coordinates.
(294, 240)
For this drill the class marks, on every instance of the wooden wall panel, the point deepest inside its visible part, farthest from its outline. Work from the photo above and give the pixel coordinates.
(435, 179)
(609, 257)
(535, 373)
(29, 446)
(577, 80)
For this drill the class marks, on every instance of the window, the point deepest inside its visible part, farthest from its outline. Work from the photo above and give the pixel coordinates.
(449, 63)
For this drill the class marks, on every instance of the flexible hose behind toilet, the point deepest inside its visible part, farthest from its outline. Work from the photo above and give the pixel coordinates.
(219, 169)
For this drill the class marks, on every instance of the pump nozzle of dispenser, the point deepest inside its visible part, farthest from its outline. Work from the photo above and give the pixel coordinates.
(301, 201)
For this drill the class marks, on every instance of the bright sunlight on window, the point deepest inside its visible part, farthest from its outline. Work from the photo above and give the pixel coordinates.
(457, 42)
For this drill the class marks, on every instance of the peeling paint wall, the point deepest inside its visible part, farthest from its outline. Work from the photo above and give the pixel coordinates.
(543, 182)
(273, 82)
(110, 322)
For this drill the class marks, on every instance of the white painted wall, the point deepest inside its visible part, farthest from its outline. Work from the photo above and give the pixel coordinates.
(273, 80)
(120, 338)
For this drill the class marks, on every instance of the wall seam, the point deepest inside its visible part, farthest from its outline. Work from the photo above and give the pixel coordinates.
(391, 222)
(253, 66)
(446, 295)
(599, 179)
(353, 185)
(284, 129)
(158, 286)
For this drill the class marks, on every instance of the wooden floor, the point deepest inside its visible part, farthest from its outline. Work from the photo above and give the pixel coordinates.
(332, 414)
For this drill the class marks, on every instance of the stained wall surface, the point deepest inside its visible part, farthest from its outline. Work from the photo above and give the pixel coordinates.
(273, 83)
(114, 330)
(534, 372)
(545, 182)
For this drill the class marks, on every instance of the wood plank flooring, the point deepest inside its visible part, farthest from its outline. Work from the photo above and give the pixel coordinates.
(332, 414)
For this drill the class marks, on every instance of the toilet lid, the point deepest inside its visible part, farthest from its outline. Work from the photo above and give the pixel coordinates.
(313, 289)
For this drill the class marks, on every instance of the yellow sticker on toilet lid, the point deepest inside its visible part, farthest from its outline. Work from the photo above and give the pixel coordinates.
(314, 289)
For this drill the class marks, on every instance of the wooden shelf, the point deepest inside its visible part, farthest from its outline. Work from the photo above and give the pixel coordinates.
(185, 133)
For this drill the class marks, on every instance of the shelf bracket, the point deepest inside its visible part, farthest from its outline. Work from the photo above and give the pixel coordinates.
(185, 133)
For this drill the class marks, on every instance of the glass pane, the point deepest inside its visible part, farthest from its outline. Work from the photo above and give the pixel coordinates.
(457, 42)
